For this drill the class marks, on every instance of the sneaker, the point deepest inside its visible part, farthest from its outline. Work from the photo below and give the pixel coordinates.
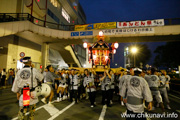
(105, 106)
(65, 97)
(111, 102)
(44, 101)
(58, 100)
(92, 106)
(50, 104)
(168, 107)
(122, 103)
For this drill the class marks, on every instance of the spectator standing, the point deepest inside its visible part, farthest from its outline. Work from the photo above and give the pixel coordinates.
(10, 78)
(3, 78)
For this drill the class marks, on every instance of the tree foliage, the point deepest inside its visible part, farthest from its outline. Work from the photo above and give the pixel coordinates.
(167, 55)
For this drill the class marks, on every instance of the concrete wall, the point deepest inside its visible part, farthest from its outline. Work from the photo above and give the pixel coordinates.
(13, 46)
(3, 63)
(8, 6)
(4, 41)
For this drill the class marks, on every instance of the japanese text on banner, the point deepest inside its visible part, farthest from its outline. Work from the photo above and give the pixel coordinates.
(128, 31)
(108, 25)
(158, 22)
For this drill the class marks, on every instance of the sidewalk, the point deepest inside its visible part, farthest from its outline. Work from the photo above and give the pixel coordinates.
(5, 87)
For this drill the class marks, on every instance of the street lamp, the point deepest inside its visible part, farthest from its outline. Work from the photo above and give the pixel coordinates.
(85, 45)
(100, 33)
(116, 45)
(134, 51)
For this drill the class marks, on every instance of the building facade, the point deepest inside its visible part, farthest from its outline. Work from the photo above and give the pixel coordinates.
(62, 12)
(127, 61)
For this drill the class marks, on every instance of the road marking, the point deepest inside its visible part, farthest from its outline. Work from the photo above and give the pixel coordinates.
(51, 110)
(174, 96)
(101, 117)
(60, 112)
(175, 91)
(35, 110)
(178, 111)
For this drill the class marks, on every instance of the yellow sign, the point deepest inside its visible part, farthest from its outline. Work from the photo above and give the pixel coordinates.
(80, 27)
(108, 25)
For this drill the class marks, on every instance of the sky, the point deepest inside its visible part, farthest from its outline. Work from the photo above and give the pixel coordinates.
(130, 10)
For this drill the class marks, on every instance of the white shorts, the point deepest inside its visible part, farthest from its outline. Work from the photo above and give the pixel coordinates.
(64, 86)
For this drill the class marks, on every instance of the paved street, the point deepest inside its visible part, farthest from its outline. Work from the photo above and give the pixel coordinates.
(66, 110)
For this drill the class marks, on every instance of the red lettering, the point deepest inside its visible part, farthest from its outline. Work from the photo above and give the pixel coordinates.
(136, 23)
(142, 23)
(130, 24)
(149, 22)
(124, 24)
(119, 23)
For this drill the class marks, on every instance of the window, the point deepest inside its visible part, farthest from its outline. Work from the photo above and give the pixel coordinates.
(65, 15)
(51, 14)
(54, 3)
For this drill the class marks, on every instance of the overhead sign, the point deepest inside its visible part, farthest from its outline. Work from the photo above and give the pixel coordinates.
(108, 25)
(74, 33)
(86, 33)
(158, 22)
(22, 54)
(65, 15)
(82, 33)
(80, 27)
(128, 31)
(83, 27)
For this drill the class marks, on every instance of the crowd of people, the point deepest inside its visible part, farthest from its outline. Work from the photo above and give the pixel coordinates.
(136, 84)
(134, 87)
(7, 78)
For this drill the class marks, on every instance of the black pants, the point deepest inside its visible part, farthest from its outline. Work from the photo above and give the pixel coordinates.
(79, 91)
(92, 96)
(73, 94)
(135, 116)
(96, 84)
(111, 93)
(116, 90)
(106, 95)
(3, 80)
